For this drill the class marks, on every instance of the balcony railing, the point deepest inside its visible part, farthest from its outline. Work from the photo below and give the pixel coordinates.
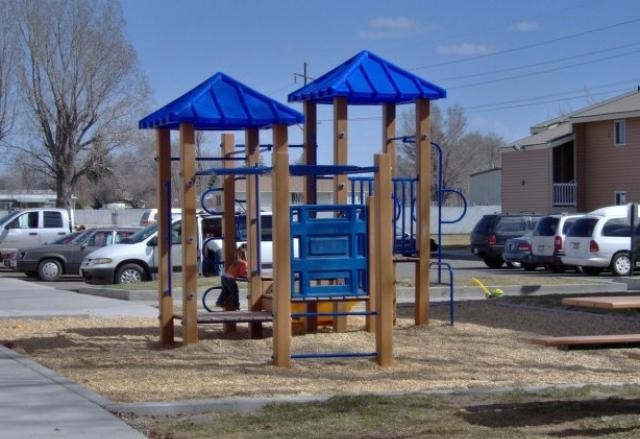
(564, 194)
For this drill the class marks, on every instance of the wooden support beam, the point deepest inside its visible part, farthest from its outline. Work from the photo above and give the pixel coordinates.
(423, 217)
(384, 260)
(189, 235)
(163, 190)
(340, 186)
(252, 140)
(310, 183)
(388, 133)
(372, 254)
(281, 249)
(229, 208)
(310, 151)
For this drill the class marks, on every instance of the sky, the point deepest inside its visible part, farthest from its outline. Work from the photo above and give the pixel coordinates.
(510, 64)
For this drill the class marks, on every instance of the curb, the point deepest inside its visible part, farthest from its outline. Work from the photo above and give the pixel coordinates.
(407, 294)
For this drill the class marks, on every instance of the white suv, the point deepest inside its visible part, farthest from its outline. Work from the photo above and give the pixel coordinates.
(547, 241)
(601, 240)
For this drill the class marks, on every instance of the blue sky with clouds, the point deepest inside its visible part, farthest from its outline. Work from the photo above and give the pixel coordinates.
(509, 63)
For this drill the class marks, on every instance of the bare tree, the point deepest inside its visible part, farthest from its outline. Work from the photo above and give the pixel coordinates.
(463, 152)
(7, 60)
(80, 85)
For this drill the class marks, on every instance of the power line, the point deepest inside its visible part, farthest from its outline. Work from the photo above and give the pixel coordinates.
(540, 72)
(525, 66)
(529, 46)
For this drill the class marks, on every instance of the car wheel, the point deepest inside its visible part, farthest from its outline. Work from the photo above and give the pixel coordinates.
(494, 262)
(592, 271)
(129, 274)
(528, 267)
(49, 270)
(621, 264)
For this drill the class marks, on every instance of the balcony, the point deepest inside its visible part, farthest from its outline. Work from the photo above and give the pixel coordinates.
(564, 194)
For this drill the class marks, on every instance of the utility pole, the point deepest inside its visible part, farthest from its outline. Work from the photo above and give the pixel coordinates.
(303, 75)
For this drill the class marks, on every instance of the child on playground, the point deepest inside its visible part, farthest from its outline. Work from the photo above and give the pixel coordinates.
(229, 297)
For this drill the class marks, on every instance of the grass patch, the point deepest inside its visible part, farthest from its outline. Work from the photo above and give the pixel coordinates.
(203, 282)
(588, 411)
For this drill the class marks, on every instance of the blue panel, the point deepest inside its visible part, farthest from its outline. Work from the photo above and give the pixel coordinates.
(367, 79)
(331, 251)
(222, 103)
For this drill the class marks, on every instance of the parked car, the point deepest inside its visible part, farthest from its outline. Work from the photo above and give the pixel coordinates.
(32, 227)
(137, 259)
(10, 258)
(547, 242)
(517, 251)
(601, 240)
(150, 216)
(49, 262)
(491, 232)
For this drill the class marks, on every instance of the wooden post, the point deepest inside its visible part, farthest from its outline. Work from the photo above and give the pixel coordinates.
(229, 208)
(281, 249)
(310, 185)
(384, 260)
(389, 147)
(252, 140)
(372, 254)
(388, 133)
(340, 157)
(163, 152)
(189, 235)
(423, 217)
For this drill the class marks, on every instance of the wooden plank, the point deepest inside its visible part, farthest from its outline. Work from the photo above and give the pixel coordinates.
(189, 235)
(604, 302)
(423, 215)
(252, 140)
(384, 264)
(232, 316)
(586, 340)
(163, 184)
(370, 321)
(310, 182)
(388, 133)
(340, 186)
(281, 249)
(229, 207)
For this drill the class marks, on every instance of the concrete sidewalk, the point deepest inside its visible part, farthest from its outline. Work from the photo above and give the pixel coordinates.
(37, 402)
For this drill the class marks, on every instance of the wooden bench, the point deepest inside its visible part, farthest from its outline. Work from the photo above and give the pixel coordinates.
(604, 302)
(590, 341)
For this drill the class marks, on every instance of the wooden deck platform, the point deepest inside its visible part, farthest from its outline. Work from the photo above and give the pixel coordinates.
(590, 341)
(232, 317)
(604, 302)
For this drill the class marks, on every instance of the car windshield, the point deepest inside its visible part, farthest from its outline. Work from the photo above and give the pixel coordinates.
(583, 228)
(8, 216)
(484, 225)
(141, 235)
(547, 226)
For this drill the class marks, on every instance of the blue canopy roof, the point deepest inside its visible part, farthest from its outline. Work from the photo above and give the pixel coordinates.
(367, 79)
(222, 103)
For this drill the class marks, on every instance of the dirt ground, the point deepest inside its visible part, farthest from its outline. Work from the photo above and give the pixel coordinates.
(489, 346)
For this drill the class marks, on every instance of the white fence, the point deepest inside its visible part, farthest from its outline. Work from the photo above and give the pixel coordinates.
(127, 217)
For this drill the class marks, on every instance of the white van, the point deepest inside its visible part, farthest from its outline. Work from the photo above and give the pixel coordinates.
(601, 240)
(137, 260)
(150, 216)
(548, 239)
(31, 228)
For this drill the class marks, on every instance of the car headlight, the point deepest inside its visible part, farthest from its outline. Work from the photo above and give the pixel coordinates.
(99, 261)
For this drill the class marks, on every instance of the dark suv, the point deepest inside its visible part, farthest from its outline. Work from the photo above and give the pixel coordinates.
(491, 232)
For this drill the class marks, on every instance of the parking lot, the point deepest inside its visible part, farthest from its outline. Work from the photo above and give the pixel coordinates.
(464, 264)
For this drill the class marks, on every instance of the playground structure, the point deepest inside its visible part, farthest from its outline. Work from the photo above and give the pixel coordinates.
(346, 256)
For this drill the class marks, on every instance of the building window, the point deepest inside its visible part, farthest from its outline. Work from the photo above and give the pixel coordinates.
(620, 197)
(619, 132)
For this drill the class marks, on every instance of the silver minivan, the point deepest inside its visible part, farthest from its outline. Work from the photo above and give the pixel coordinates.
(601, 240)
(548, 240)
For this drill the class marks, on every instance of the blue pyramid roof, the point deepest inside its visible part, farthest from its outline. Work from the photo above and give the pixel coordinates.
(222, 103)
(367, 79)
